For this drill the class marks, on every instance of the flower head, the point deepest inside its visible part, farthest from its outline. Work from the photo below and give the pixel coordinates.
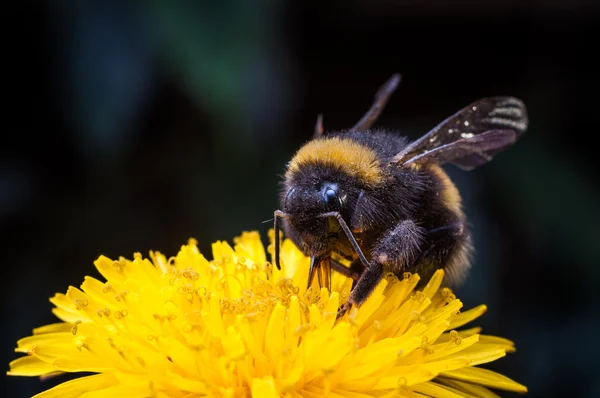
(235, 326)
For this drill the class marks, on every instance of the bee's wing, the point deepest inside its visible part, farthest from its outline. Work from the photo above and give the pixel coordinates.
(472, 136)
(468, 153)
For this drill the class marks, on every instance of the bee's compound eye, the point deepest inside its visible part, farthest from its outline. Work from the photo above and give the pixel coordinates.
(289, 194)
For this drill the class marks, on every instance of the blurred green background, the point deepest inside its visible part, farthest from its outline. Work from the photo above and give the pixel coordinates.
(133, 126)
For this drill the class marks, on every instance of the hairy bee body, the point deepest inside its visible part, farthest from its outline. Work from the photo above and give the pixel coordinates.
(406, 219)
(372, 197)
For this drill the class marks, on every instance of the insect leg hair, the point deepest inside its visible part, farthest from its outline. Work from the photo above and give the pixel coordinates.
(278, 214)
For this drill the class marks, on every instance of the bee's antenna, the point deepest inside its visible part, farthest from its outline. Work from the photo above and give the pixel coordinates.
(349, 235)
(319, 126)
(381, 99)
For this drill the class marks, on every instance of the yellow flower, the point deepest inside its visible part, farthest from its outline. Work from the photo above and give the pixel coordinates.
(236, 326)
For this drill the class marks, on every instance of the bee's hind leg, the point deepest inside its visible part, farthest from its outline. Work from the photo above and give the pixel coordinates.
(397, 250)
(366, 283)
(364, 287)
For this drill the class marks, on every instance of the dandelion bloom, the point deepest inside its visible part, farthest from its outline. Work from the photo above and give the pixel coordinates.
(235, 326)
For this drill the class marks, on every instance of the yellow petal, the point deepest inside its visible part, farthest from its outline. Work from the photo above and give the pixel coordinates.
(233, 344)
(451, 347)
(470, 389)
(30, 366)
(274, 342)
(249, 244)
(434, 284)
(213, 319)
(460, 393)
(54, 328)
(379, 354)
(174, 381)
(142, 391)
(311, 392)
(111, 270)
(293, 321)
(295, 264)
(264, 388)
(406, 379)
(178, 353)
(67, 315)
(467, 316)
(485, 377)
(235, 326)
(65, 309)
(326, 350)
(444, 365)
(49, 344)
(445, 312)
(254, 347)
(508, 345)
(461, 333)
(348, 394)
(77, 387)
(435, 390)
(97, 291)
(481, 355)
(371, 304)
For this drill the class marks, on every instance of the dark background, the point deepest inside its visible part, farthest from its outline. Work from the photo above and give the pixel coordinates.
(132, 127)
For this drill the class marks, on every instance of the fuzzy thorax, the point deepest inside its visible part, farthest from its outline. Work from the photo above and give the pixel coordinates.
(347, 155)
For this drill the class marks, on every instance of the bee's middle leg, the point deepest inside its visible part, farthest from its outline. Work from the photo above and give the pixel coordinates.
(342, 269)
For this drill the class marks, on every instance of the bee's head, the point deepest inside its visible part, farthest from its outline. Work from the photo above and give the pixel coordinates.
(326, 175)
(314, 190)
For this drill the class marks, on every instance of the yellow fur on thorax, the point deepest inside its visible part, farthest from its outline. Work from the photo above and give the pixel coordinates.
(450, 195)
(348, 155)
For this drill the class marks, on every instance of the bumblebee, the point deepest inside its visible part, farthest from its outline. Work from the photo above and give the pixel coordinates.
(384, 204)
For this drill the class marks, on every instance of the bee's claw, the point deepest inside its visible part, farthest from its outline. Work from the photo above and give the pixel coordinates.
(344, 309)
